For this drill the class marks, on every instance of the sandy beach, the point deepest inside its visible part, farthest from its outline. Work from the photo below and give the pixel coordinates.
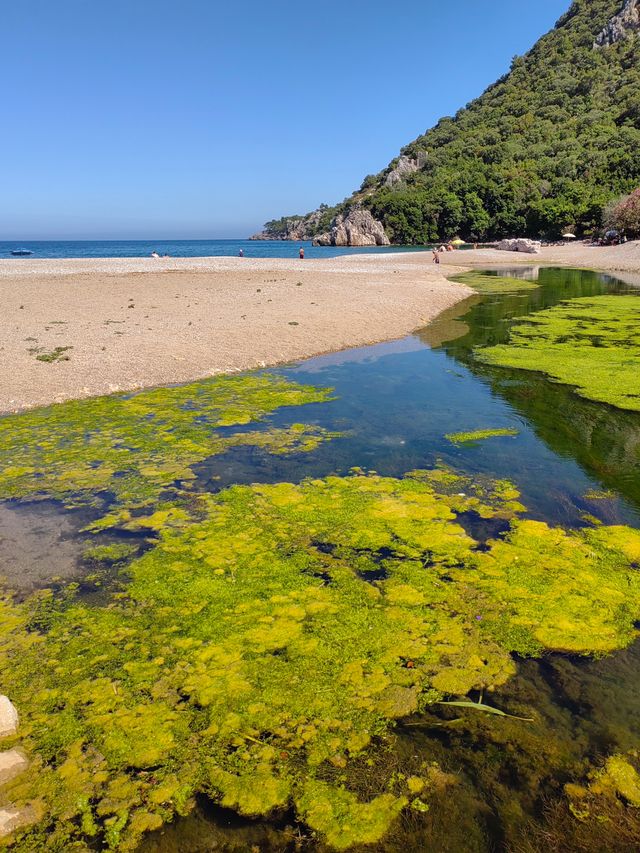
(125, 323)
(132, 323)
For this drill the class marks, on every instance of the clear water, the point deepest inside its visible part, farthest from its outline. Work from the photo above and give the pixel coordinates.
(394, 403)
(186, 248)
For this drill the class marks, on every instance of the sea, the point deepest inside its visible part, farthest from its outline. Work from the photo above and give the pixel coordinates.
(186, 248)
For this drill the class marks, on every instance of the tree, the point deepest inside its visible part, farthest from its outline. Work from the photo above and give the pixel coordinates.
(625, 215)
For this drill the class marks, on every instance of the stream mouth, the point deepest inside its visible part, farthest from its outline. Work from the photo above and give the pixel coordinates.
(423, 403)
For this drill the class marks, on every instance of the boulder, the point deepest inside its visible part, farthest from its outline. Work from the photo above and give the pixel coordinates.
(530, 247)
(622, 25)
(357, 228)
(8, 717)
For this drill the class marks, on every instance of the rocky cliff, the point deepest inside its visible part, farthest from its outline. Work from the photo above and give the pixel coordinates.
(355, 228)
(622, 25)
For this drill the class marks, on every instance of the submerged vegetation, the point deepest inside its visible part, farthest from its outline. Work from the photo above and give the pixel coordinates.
(592, 343)
(133, 449)
(488, 284)
(479, 435)
(269, 638)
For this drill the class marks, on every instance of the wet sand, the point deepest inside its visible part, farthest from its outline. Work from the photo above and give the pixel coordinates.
(126, 323)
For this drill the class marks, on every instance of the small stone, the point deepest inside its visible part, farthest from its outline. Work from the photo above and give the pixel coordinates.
(8, 717)
(12, 763)
(12, 819)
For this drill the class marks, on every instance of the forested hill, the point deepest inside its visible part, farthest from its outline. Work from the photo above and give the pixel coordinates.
(543, 150)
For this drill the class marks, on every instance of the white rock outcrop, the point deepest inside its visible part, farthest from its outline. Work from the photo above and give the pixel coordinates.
(530, 247)
(405, 166)
(622, 25)
(357, 228)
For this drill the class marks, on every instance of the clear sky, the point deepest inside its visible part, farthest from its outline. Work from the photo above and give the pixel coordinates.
(202, 118)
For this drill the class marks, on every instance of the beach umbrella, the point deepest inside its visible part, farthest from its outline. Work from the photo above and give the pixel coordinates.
(457, 242)
(568, 236)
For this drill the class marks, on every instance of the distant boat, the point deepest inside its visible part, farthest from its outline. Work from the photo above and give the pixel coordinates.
(21, 252)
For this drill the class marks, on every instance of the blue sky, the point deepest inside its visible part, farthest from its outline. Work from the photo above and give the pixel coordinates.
(200, 118)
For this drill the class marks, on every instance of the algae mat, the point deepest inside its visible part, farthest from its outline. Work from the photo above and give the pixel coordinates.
(274, 634)
(592, 343)
(128, 451)
(488, 284)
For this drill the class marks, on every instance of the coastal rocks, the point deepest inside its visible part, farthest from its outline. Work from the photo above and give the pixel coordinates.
(297, 228)
(530, 247)
(356, 228)
(8, 717)
(625, 23)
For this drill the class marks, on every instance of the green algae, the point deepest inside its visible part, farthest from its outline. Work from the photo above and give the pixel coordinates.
(620, 778)
(57, 354)
(591, 343)
(479, 435)
(254, 657)
(115, 552)
(488, 285)
(135, 447)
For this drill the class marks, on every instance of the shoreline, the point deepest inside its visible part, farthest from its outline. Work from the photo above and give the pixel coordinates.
(133, 323)
(139, 323)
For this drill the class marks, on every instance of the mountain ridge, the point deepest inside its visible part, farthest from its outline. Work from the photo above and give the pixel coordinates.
(543, 149)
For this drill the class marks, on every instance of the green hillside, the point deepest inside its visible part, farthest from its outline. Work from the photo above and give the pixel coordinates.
(543, 149)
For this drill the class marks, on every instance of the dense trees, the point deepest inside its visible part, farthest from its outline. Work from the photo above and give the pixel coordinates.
(543, 150)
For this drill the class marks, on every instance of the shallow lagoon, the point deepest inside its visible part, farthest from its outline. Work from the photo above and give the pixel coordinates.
(572, 460)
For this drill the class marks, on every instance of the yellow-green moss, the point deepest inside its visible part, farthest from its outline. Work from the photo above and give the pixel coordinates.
(592, 343)
(479, 435)
(614, 786)
(135, 447)
(493, 284)
(252, 653)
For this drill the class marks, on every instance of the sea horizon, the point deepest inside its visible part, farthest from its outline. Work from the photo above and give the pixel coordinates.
(197, 248)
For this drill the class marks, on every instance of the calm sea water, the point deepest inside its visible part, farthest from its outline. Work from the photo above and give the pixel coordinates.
(185, 248)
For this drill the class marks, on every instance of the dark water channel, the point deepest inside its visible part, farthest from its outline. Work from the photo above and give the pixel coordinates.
(394, 404)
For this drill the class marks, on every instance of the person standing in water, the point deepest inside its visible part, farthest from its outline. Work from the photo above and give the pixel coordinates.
(241, 253)
(302, 253)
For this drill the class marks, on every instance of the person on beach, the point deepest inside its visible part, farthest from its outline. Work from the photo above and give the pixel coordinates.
(436, 257)
(241, 253)
(301, 253)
